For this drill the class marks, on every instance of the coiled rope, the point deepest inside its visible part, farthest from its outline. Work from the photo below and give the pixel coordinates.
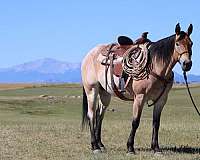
(136, 62)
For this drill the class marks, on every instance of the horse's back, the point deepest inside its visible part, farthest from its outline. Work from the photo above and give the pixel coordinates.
(91, 67)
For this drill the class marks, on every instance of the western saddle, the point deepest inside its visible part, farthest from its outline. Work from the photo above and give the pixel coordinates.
(114, 54)
(119, 49)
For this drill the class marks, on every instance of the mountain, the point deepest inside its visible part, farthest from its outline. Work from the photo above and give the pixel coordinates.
(46, 66)
(45, 70)
(49, 70)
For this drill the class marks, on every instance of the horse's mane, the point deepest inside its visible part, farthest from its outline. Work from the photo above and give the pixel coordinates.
(163, 49)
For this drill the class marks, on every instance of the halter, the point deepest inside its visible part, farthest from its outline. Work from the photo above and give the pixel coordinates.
(180, 54)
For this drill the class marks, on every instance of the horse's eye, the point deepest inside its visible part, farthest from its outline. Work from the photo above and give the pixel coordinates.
(177, 43)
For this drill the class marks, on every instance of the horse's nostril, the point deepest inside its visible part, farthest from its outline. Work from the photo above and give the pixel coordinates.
(188, 64)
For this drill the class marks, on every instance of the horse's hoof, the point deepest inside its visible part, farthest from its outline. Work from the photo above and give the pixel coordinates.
(97, 151)
(158, 153)
(130, 153)
(103, 149)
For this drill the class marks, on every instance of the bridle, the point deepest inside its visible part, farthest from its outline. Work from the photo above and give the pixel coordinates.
(186, 82)
(180, 54)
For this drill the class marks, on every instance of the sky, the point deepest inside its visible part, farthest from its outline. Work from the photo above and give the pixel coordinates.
(67, 29)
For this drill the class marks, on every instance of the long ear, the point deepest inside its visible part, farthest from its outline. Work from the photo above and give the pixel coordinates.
(178, 29)
(190, 28)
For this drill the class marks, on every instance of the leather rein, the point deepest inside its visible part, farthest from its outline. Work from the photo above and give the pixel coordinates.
(164, 81)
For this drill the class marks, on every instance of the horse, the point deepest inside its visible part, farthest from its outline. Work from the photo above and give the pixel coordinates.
(164, 54)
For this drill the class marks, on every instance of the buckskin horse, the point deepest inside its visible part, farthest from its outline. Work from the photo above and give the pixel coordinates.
(97, 85)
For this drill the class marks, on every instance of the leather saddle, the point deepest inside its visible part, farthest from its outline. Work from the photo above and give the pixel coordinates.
(119, 49)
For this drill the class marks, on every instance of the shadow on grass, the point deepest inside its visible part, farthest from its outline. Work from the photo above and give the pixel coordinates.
(181, 149)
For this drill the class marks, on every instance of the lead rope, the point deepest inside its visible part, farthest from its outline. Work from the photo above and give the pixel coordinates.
(185, 78)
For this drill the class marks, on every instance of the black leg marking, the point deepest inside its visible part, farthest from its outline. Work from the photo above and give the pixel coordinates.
(130, 143)
(156, 124)
(94, 142)
(99, 119)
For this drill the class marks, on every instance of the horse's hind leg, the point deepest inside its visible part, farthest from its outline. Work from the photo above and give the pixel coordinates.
(91, 95)
(104, 101)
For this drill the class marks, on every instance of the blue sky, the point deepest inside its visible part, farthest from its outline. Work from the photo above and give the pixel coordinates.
(68, 29)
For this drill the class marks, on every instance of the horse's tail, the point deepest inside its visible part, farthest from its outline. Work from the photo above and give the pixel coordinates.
(85, 120)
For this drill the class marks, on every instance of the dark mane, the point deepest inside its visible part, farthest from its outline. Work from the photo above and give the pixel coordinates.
(163, 49)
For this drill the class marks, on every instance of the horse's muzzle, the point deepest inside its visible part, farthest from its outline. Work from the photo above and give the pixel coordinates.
(186, 65)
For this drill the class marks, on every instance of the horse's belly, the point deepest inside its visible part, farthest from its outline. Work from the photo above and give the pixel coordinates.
(106, 82)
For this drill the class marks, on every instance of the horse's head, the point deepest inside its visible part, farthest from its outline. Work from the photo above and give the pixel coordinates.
(183, 47)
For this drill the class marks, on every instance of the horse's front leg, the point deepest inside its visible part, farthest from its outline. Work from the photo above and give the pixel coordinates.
(156, 122)
(137, 110)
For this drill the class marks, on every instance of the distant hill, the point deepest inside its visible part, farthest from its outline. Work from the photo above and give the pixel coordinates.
(42, 71)
(49, 70)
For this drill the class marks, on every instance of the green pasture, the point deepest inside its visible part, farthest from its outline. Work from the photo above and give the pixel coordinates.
(43, 122)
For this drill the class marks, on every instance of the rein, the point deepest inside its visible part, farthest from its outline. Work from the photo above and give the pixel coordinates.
(185, 78)
(165, 82)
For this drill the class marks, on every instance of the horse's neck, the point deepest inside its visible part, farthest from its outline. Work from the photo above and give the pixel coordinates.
(163, 69)
(164, 59)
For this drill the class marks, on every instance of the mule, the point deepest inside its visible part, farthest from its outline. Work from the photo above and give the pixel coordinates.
(164, 54)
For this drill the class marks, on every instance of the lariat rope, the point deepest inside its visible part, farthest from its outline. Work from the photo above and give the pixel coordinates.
(136, 62)
(185, 78)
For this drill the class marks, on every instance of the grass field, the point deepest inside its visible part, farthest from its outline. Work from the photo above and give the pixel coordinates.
(39, 122)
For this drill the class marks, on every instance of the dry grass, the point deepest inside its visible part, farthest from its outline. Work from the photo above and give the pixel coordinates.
(8, 86)
(13, 86)
(33, 128)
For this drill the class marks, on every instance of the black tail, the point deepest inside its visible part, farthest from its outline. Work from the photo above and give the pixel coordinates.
(85, 120)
